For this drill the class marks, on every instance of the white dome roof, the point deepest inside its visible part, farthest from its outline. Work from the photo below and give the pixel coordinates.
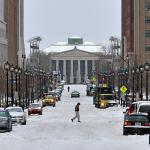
(89, 43)
(75, 37)
(61, 43)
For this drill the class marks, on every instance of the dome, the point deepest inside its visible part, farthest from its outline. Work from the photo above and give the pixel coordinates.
(75, 37)
(89, 43)
(61, 43)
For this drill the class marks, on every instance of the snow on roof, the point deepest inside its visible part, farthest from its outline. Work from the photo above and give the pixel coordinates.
(85, 47)
(75, 37)
(89, 43)
(61, 43)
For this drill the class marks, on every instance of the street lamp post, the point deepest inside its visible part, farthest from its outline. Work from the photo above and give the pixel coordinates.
(16, 73)
(19, 92)
(113, 80)
(141, 71)
(146, 69)
(119, 86)
(7, 67)
(26, 73)
(133, 72)
(126, 75)
(12, 87)
(137, 80)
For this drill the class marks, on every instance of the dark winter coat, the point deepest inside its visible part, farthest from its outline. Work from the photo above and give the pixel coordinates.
(77, 107)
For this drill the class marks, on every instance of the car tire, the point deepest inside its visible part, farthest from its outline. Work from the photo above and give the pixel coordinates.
(10, 128)
(125, 132)
(24, 123)
(54, 105)
(29, 114)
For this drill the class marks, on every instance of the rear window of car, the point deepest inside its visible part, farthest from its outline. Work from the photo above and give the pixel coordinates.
(137, 118)
(144, 108)
(2, 114)
(35, 105)
(15, 110)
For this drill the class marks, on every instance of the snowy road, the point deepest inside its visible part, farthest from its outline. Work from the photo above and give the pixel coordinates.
(98, 130)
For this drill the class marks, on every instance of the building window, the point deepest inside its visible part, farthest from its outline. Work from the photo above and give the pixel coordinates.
(147, 6)
(147, 33)
(147, 48)
(147, 20)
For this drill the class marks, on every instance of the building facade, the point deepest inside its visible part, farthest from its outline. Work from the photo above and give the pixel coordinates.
(3, 39)
(14, 31)
(77, 61)
(136, 31)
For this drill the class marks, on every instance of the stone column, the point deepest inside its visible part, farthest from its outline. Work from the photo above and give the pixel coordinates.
(79, 73)
(71, 72)
(93, 64)
(57, 65)
(93, 67)
(86, 70)
(64, 70)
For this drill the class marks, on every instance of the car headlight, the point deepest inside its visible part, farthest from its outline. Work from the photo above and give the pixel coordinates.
(4, 121)
(43, 101)
(102, 104)
(52, 100)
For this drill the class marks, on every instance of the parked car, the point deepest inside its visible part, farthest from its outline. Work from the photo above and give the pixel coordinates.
(49, 100)
(136, 123)
(5, 120)
(75, 94)
(17, 115)
(133, 107)
(35, 108)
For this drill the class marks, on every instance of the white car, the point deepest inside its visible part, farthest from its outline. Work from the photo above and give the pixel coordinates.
(144, 107)
(17, 115)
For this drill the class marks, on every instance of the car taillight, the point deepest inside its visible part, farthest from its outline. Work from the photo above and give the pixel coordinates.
(127, 123)
(146, 124)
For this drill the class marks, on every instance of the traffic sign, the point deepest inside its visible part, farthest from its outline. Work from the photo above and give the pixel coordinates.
(123, 89)
(93, 78)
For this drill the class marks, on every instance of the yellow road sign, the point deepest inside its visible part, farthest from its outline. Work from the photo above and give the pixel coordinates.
(93, 78)
(123, 89)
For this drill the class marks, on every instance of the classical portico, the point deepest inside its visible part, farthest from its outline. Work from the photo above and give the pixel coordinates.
(76, 60)
(75, 65)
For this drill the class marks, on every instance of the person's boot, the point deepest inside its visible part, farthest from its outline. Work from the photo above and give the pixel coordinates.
(72, 120)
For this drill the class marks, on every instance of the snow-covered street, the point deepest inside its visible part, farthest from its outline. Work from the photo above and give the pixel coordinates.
(100, 129)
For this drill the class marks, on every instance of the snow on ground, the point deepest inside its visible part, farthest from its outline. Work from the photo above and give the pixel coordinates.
(99, 128)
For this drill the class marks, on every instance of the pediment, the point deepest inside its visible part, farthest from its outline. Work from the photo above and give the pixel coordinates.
(75, 53)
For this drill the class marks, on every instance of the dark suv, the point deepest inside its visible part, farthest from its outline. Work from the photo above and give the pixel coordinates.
(5, 120)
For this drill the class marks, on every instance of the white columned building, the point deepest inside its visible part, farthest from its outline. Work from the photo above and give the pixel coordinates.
(75, 61)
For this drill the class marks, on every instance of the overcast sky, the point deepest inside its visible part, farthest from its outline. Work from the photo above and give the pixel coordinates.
(56, 20)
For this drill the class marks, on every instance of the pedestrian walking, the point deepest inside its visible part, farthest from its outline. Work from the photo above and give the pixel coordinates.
(77, 114)
(68, 88)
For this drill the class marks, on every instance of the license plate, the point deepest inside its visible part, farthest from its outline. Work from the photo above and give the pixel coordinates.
(18, 120)
(137, 124)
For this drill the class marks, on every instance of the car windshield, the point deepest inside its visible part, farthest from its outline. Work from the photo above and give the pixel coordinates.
(107, 97)
(15, 110)
(144, 108)
(49, 96)
(35, 105)
(137, 118)
(52, 93)
(2, 114)
(104, 90)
